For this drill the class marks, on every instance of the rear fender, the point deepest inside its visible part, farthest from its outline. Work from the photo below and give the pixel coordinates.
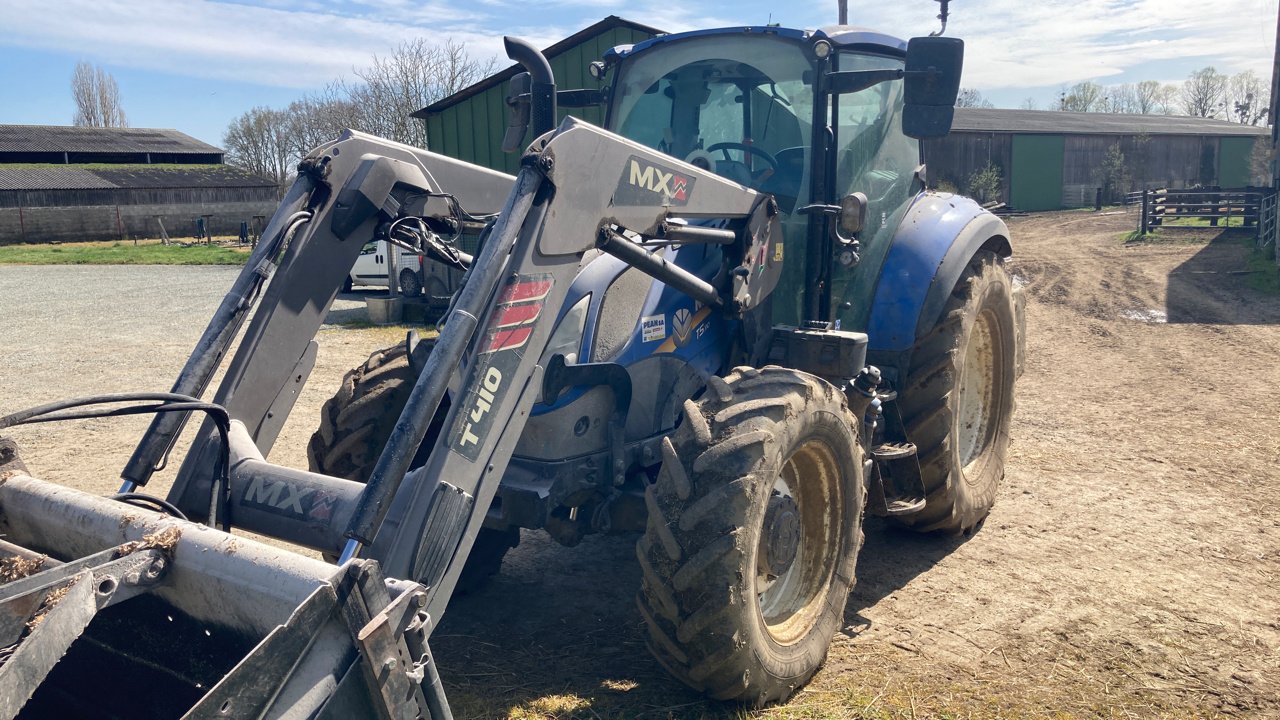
(937, 238)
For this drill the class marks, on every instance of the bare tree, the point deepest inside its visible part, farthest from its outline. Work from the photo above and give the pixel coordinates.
(1146, 97)
(414, 76)
(1120, 99)
(972, 98)
(1248, 98)
(1084, 96)
(97, 97)
(1029, 103)
(319, 118)
(258, 141)
(1203, 94)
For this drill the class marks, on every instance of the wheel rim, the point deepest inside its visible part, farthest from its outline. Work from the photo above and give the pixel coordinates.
(796, 555)
(977, 402)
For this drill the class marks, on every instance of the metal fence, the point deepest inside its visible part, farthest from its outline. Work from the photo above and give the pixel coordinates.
(1200, 208)
(1269, 225)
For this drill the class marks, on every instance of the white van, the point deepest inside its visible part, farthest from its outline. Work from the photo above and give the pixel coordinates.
(370, 269)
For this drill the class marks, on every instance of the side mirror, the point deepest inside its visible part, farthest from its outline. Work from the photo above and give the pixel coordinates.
(932, 84)
(518, 118)
(853, 215)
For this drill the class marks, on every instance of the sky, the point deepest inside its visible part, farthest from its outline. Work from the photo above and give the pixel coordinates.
(195, 65)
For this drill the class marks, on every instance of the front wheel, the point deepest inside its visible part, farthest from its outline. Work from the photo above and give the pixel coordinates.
(753, 532)
(957, 401)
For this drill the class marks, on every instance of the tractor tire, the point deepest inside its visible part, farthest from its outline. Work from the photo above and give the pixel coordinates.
(354, 427)
(753, 531)
(957, 401)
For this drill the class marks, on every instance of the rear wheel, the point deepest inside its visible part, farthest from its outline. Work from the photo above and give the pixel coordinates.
(410, 285)
(753, 533)
(355, 424)
(957, 401)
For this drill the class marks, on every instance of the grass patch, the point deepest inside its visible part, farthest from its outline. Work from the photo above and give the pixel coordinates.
(1236, 221)
(145, 252)
(1264, 274)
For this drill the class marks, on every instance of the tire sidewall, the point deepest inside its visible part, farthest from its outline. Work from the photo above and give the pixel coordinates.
(975, 491)
(797, 660)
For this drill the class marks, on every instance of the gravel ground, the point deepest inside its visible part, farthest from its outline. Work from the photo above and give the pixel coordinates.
(1128, 569)
(73, 330)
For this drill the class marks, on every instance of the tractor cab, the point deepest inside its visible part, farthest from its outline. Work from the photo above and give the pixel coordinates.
(814, 118)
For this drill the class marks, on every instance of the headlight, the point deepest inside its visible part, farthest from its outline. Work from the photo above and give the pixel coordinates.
(567, 338)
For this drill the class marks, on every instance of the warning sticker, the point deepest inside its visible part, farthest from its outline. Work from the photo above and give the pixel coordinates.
(777, 252)
(653, 327)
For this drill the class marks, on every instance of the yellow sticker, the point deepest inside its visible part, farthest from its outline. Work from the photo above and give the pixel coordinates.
(777, 252)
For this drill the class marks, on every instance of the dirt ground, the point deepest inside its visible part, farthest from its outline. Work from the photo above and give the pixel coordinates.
(1129, 568)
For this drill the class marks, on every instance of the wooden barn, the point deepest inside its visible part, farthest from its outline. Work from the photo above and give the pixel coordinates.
(66, 184)
(1049, 160)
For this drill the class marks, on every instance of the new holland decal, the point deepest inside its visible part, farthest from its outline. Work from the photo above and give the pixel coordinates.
(647, 183)
(508, 331)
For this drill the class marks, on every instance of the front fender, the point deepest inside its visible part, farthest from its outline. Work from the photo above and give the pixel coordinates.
(935, 241)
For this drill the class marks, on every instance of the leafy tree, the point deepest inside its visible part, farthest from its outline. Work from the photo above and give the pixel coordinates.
(985, 185)
(1113, 173)
(97, 97)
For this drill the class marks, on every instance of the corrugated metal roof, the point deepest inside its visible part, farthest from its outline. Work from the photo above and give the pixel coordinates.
(54, 177)
(60, 138)
(1076, 123)
(57, 178)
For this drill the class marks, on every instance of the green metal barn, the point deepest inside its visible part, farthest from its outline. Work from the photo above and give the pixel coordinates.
(469, 124)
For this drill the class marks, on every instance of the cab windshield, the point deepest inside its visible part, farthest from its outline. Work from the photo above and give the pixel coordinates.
(736, 105)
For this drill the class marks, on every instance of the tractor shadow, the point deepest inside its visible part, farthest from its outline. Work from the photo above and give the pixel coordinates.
(891, 558)
(557, 632)
(1224, 283)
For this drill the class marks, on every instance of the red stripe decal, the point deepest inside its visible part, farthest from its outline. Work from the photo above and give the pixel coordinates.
(506, 316)
(508, 339)
(525, 290)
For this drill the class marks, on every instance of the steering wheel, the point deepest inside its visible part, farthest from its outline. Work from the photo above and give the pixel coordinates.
(725, 147)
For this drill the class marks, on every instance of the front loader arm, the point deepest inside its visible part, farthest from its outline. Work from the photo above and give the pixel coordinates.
(580, 186)
(344, 185)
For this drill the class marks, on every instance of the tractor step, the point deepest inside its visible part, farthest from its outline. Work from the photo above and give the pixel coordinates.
(893, 451)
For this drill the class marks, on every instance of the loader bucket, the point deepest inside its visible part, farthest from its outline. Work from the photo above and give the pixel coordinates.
(108, 610)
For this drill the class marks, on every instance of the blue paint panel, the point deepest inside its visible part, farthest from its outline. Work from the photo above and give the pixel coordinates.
(927, 233)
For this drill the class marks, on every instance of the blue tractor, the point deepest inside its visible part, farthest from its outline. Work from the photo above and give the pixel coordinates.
(742, 406)
(733, 321)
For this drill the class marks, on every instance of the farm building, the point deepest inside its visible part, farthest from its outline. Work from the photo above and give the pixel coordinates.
(1046, 160)
(1050, 160)
(469, 124)
(64, 184)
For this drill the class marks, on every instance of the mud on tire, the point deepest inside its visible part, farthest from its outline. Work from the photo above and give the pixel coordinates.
(957, 400)
(726, 613)
(355, 424)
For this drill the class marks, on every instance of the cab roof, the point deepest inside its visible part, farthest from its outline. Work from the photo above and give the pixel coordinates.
(843, 37)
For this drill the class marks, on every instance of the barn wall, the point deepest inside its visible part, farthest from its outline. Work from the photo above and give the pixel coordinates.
(955, 158)
(1173, 161)
(472, 129)
(123, 222)
(136, 196)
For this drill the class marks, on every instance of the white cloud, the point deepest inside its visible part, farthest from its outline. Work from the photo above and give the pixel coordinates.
(306, 43)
